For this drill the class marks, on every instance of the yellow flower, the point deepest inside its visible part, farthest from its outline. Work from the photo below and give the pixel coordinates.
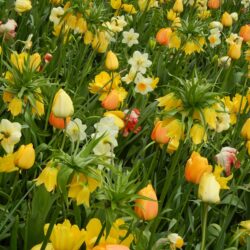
(170, 102)
(176, 241)
(116, 4)
(198, 134)
(209, 188)
(118, 117)
(15, 106)
(248, 147)
(245, 224)
(66, 236)
(25, 156)
(48, 177)
(1, 50)
(22, 6)
(49, 246)
(221, 180)
(88, 37)
(111, 61)
(39, 108)
(129, 8)
(100, 42)
(80, 188)
(245, 131)
(143, 4)
(171, 15)
(210, 117)
(7, 164)
(56, 2)
(234, 51)
(81, 25)
(226, 19)
(178, 6)
(175, 41)
(62, 105)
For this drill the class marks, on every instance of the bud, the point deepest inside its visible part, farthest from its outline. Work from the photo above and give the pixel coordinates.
(147, 209)
(58, 122)
(25, 156)
(209, 188)
(112, 100)
(111, 61)
(226, 19)
(22, 6)
(234, 51)
(178, 6)
(235, 16)
(47, 57)
(245, 32)
(213, 4)
(245, 131)
(163, 36)
(159, 133)
(62, 105)
(196, 166)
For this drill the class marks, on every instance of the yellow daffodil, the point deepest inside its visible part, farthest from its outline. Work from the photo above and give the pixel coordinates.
(7, 164)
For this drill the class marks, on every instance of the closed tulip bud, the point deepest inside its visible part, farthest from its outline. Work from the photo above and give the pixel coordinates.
(209, 189)
(22, 6)
(196, 166)
(147, 209)
(111, 61)
(25, 156)
(226, 19)
(234, 51)
(245, 32)
(178, 6)
(213, 4)
(112, 100)
(163, 36)
(47, 57)
(159, 133)
(245, 131)
(62, 105)
(58, 122)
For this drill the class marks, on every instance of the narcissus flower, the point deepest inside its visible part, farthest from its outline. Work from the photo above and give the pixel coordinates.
(196, 166)
(66, 236)
(209, 188)
(226, 158)
(48, 177)
(62, 105)
(111, 61)
(10, 134)
(176, 241)
(25, 156)
(118, 117)
(76, 130)
(140, 62)
(147, 209)
(22, 6)
(130, 37)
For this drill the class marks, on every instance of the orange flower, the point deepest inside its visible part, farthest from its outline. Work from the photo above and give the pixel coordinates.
(58, 122)
(213, 4)
(245, 32)
(147, 209)
(111, 101)
(196, 166)
(163, 36)
(159, 133)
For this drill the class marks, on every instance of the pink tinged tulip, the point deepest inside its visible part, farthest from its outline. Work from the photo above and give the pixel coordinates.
(8, 28)
(226, 158)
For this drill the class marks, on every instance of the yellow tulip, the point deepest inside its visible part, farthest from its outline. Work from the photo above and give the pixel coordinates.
(226, 19)
(111, 61)
(178, 6)
(234, 51)
(118, 117)
(25, 156)
(62, 105)
(209, 189)
(22, 6)
(248, 147)
(245, 131)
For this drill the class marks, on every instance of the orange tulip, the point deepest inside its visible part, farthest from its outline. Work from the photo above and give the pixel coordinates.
(147, 209)
(163, 36)
(245, 32)
(112, 100)
(159, 133)
(58, 122)
(213, 4)
(196, 166)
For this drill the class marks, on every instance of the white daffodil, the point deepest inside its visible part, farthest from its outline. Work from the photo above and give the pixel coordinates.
(130, 77)
(56, 14)
(76, 130)
(140, 62)
(143, 84)
(10, 134)
(130, 37)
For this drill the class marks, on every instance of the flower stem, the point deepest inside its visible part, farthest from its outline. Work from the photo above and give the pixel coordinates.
(204, 226)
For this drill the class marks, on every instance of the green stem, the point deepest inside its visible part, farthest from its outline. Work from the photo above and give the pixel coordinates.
(204, 226)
